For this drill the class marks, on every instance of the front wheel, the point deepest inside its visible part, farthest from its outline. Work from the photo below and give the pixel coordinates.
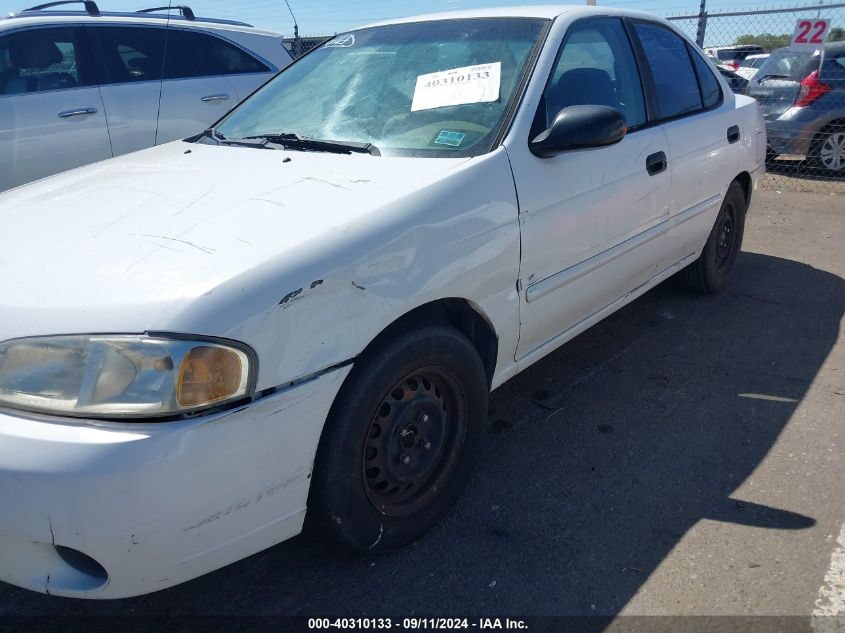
(711, 271)
(401, 440)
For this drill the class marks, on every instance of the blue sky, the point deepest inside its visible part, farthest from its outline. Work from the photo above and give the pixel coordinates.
(329, 16)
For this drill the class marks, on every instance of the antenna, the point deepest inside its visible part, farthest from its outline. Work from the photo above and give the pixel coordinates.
(295, 31)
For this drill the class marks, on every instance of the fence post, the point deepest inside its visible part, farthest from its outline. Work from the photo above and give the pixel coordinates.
(702, 25)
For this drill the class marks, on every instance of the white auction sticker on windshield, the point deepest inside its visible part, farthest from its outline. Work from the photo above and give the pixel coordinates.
(458, 86)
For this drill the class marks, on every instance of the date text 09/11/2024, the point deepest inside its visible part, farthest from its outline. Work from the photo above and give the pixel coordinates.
(413, 624)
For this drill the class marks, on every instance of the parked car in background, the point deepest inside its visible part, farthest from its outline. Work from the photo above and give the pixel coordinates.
(802, 96)
(738, 84)
(748, 66)
(306, 306)
(733, 55)
(80, 86)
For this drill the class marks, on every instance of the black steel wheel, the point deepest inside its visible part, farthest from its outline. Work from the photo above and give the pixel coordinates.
(714, 267)
(726, 236)
(401, 439)
(414, 441)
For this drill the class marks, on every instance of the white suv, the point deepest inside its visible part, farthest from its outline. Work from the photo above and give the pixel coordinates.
(81, 86)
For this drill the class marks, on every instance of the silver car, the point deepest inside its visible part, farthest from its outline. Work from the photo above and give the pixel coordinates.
(80, 86)
(802, 96)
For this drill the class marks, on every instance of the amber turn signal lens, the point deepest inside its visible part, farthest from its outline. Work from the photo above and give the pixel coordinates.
(209, 374)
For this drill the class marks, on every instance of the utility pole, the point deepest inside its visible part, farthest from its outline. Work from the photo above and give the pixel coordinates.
(702, 25)
(295, 32)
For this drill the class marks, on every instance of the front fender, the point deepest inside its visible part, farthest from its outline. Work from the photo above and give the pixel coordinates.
(321, 304)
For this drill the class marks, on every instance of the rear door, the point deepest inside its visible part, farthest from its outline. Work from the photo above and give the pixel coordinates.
(204, 75)
(129, 61)
(51, 114)
(702, 127)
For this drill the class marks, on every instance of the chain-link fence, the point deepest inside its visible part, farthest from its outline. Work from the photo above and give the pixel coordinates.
(298, 46)
(802, 94)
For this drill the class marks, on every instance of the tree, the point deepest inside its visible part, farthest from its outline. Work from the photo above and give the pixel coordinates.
(768, 41)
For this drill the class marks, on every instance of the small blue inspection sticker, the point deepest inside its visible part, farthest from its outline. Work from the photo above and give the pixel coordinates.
(449, 138)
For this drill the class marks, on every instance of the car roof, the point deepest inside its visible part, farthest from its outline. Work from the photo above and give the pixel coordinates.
(547, 11)
(832, 47)
(33, 18)
(835, 47)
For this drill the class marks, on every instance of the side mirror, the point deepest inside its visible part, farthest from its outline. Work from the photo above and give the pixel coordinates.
(580, 127)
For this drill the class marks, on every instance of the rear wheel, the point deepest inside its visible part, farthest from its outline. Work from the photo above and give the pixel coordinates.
(711, 271)
(401, 440)
(829, 150)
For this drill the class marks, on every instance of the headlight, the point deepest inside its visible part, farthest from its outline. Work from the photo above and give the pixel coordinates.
(111, 376)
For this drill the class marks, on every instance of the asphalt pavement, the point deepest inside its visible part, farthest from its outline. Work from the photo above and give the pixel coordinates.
(683, 457)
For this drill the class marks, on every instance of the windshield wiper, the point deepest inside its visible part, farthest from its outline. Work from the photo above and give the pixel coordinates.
(214, 135)
(295, 141)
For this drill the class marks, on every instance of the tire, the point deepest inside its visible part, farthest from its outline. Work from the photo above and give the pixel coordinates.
(828, 151)
(401, 440)
(714, 267)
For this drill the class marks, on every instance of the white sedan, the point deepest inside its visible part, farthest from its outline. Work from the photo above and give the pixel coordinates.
(305, 307)
(749, 66)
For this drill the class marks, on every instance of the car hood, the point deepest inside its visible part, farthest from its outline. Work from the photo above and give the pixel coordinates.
(109, 247)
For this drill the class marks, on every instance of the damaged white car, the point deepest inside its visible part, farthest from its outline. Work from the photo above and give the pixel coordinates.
(304, 308)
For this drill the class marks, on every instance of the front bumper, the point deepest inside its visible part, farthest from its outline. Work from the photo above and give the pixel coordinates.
(155, 504)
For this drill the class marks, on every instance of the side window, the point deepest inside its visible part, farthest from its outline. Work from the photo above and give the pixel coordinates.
(45, 59)
(195, 54)
(834, 68)
(711, 92)
(127, 54)
(595, 66)
(674, 80)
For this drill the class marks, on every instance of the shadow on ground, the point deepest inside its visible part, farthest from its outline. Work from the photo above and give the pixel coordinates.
(598, 460)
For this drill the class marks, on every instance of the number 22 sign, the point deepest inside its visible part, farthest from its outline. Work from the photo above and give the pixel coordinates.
(809, 35)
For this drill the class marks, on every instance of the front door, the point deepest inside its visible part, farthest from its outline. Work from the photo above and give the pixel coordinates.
(51, 114)
(585, 214)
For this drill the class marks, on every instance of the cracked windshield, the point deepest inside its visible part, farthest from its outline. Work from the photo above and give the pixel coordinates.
(422, 89)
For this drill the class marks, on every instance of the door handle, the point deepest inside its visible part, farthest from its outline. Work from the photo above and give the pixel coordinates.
(220, 97)
(64, 114)
(733, 134)
(656, 163)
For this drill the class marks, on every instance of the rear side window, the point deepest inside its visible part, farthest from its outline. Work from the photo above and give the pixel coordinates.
(195, 54)
(43, 60)
(676, 88)
(595, 66)
(127, 54)
(833, 68)
(711, 92)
